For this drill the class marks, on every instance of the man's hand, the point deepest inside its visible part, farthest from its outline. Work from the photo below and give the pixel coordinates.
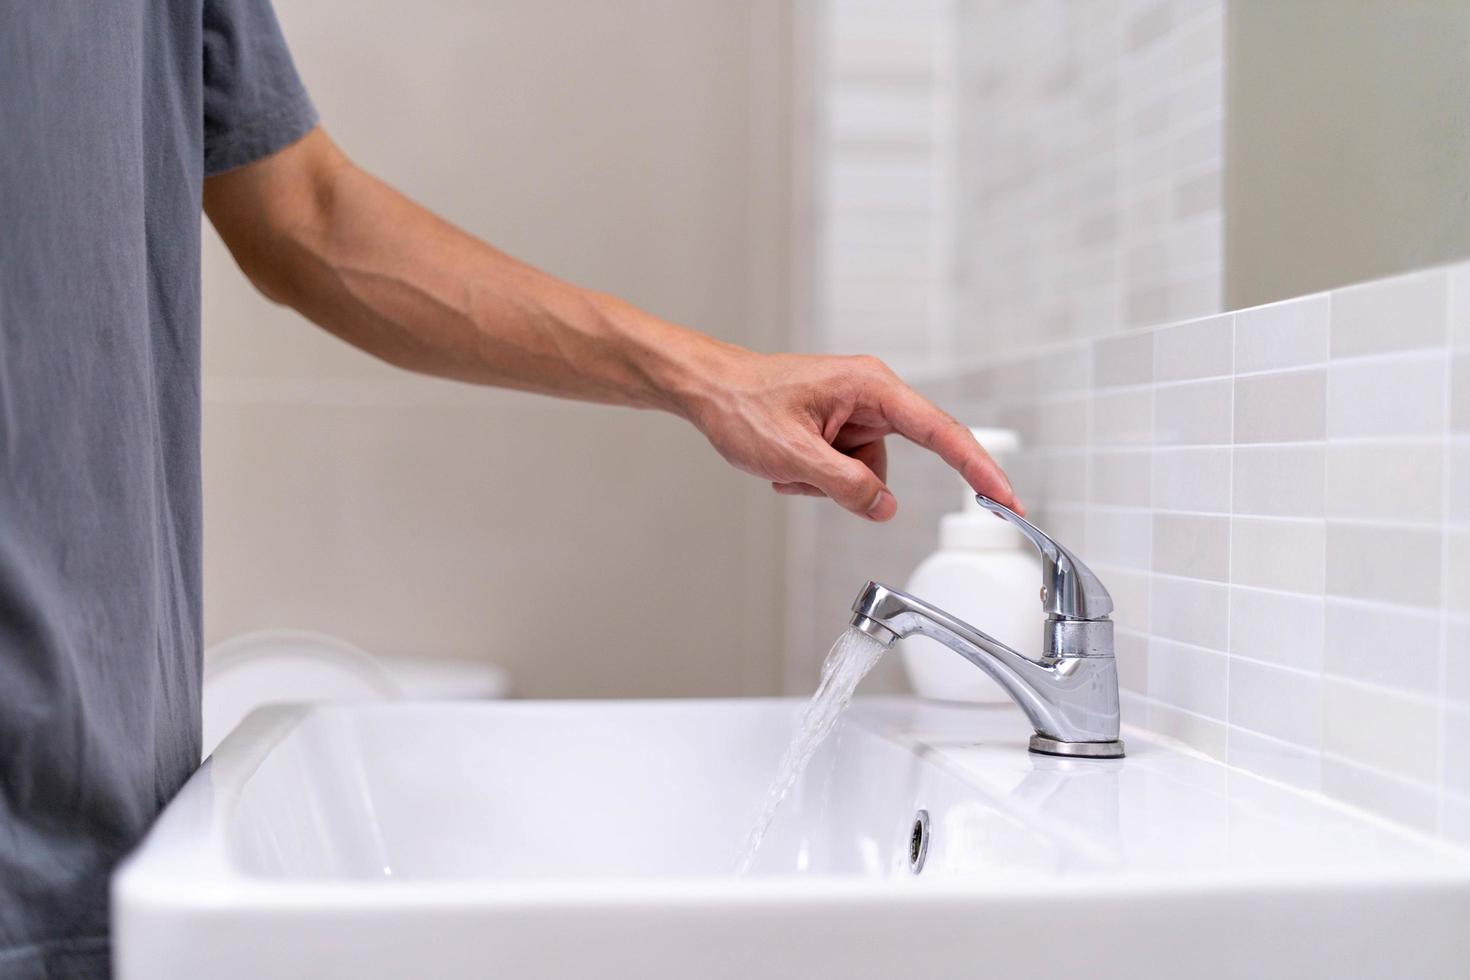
(815, 426)
(313, 231)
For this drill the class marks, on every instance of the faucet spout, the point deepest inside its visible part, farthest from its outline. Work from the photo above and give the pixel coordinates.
(1071, 700)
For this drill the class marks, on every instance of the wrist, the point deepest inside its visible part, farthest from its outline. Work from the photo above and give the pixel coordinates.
(701, 381)
(677, 370)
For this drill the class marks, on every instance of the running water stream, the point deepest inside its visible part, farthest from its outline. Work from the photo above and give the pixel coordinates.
(852, 656)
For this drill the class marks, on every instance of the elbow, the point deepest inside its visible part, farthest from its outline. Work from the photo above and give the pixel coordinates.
(275, 215)
(273, 280)
(267, 279)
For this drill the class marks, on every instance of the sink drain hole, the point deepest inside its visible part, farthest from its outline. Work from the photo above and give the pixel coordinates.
(919, 841)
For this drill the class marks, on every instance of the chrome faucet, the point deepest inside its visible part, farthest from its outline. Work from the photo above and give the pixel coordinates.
(1070, 695)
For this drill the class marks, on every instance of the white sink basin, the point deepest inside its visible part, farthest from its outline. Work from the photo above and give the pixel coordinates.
(598, 839)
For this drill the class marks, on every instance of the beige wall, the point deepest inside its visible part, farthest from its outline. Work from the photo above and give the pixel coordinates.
(1348, 142)
(636, 147)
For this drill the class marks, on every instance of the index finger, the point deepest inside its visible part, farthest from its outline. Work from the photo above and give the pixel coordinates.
(919, 420)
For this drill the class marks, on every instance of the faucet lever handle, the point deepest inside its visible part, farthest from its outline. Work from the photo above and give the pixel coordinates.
(1068, 587)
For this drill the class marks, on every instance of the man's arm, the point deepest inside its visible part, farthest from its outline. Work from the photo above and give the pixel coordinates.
(314, 232)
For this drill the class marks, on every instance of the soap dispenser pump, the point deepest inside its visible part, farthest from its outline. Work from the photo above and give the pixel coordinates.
(984, 572)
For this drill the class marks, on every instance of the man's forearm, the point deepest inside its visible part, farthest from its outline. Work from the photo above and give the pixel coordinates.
(386, 275)
(313, 231)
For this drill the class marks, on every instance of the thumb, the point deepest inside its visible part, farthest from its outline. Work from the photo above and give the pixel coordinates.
(847, 481)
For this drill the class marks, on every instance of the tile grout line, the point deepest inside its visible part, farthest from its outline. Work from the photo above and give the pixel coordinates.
(1128, 330)
(1442, 818)
(1148, 643)
(1230, 542)
(1378, 690)
(1322, 612)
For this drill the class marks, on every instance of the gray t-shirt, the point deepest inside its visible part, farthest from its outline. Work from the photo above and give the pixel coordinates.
(111, 115)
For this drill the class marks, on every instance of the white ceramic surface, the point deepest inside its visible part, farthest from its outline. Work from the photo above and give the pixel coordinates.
(550, 840)
(447, 678)
(279, 666)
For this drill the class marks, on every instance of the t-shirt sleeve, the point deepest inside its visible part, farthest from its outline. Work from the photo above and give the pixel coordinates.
(254, 102)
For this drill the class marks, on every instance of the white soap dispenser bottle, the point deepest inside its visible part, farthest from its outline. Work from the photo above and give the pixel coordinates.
(986, 574)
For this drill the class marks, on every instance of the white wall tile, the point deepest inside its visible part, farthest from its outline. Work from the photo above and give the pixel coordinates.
(1148, 25)
(869, 40)
(1275, 759)
(1457, 570)
(1130, 591)
(1065, 476)
(1122, 418)
(1285, 554)
(1204, 734)
(1457, 510)
(1385, 480)
(1277, 627)
(1456, 749)
(1289, 334)
(1190, 611)
(1391, 314)
(1284, 704)
(1459, 304)
(1070, 366)
(1126, 359)
(1279, 481)
(1192, 545)
(1391, 646)
(1133, 704)
(1198, 146)
(1280, 419)
(1460, 393)
(1395, 733)
(875, 111)
(1064, 422)
(1068, 523)
(1457, 660)
(1026, 471)
(1389, 396)
(1454, 817)
(1286, 407)
(1121, 477)
(891, 182)
(1131, 649)
(1198, 349)
(1120, 537)
(1409, 803)
(1192, 479)
(1196, 413)
(1187, 677)
(1384, 564)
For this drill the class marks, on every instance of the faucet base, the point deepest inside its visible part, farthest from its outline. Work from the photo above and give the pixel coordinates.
(1077, 750)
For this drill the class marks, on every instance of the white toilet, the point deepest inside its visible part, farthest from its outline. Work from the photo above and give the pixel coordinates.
(277, 666)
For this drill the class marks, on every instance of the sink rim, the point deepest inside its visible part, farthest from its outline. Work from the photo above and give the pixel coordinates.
(183, 861)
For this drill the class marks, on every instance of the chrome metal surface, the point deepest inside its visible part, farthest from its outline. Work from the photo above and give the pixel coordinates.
(1077, 750)
(1077, 638)
(919, 841)
(1068, 587)
(1070, 695)
(1069, 698)
(876, 630)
